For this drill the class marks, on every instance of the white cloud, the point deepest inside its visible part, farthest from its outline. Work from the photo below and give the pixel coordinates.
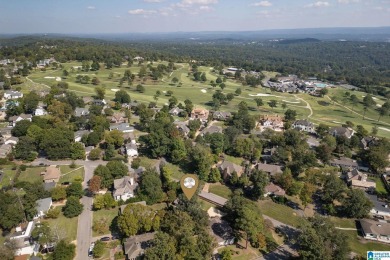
(141, 12)
(318, 4)
(206, 8)
(262, 3)
(199, 2)
(348, 1)
(153, 1)
(91, 7)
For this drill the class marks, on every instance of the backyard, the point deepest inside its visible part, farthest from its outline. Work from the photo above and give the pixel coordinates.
(70, 175)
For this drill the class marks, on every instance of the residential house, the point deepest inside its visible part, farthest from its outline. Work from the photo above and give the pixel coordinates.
(312, 142)
(368, 141)
(131, 149)
(22, 242)
(138, 58)
(341, 131)
(40, 111)
(182, 127)
(304, 125)
(211, 130)
(200, 113)
(5, 149)
(380, 208)
(51, 174)
(118, 118)
(359, 180)
(227, 168)
(14, 119)
(222, 116)
(212, 198)
(99, 102)
(271, 121)
(78, 135)
(43, 206)
(123, 127)
(11, 94)
(345, 163)
(134, 247)
(273, 190)
(81, 111)
(175, 111)
(48, 186)
(12, 141)
(221, 231)
(374, 230)
(271, 169)
(124, 188)
(87, 100)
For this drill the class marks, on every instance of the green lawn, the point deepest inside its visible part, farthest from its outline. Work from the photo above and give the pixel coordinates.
(343, 222)
(9, 175)
(109, 214)
(380, 186)
(71, 174)
(66, 226)
(359, 245)
(324, 111)
(236, 160)
(279, 212)
(32, 174)
(220, 190)
(205, 205)
(158, 206)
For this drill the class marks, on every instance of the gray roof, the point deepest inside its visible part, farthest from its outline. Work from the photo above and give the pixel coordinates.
(81, 111)
(221, 114)
(343, 161)
(213, 198)
(123, 186)
(135, 246)
(212, 129)
(341, 131)
(44, 204)
(269, 168)
(378, 205)
(182, 127)
(229, 167)
(303, 122)
(121, 127)
(374, 227)
(175, 110)
(48, 186)
(81, 133)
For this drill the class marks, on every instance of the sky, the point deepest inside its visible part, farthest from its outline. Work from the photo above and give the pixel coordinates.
(133, 16)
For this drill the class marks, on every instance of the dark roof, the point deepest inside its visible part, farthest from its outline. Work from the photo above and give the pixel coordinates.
(269, 168)
(44, 204)
(230, 167)
(378, 205)
(213, 198)
(343, 161)
(48, 186)
(212, 129)
(374, 227)
(303, 122)
(134, 246)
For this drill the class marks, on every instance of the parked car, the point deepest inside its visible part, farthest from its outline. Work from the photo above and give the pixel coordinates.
(105, 239)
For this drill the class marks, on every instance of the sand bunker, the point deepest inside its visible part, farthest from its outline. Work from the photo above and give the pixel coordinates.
(292, 102)
(336, 122)
(383, 128)
(264, 95)
(58, 79)
(50, 77)
(203, 91)
(378, 105)
(114, 89)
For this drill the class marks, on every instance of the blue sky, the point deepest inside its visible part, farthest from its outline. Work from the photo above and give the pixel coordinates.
(122, 16)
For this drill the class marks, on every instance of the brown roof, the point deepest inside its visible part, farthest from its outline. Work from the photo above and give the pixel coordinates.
(213, 198)
(135, 246)
(274, 189)
(270, 168)
(374, 227)
(229, 168)
(52, 172)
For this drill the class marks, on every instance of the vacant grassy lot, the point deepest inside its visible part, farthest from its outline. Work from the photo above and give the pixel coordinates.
(66, 226)
(8, 176)
(108, 214)
(380, 186)
(279, 212)
(71, 174)
(32, 174)
(220, 190)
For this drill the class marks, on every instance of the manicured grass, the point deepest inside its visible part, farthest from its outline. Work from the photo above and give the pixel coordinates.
(380, 186)
(177, 172)
(242, 254)
(108, 214)
(236, 160)
(9, 175)
(343, 222)
(32, 174)
(66, 226)
(147, 162)
(205, 205)
(279, 212)
(71, 174)
(360, 246)
(220, 190)
(158, 206)
(324, 111)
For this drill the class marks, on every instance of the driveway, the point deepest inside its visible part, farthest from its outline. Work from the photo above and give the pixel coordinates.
(288, 249)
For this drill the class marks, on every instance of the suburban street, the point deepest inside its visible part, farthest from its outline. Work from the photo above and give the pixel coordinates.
(84, 227)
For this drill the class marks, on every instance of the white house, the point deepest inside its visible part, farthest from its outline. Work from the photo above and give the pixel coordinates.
(14, 119)
(374, 230)
(40, 111)
(21, 238)
(43, 206)
(12, 141)
(11, 94)
(304, 125)
(131, 149)
(124, 188)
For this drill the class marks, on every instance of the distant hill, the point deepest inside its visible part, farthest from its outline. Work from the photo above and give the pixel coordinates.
(305, 40)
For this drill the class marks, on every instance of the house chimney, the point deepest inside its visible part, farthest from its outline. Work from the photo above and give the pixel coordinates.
(386, 206)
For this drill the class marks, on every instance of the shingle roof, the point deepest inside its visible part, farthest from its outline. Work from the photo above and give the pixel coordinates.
(378, 205)
(269, 168)
(123, 186)
(44, 204)
(213, 198)
(374, 227)
(275, 189)
(230, 167)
